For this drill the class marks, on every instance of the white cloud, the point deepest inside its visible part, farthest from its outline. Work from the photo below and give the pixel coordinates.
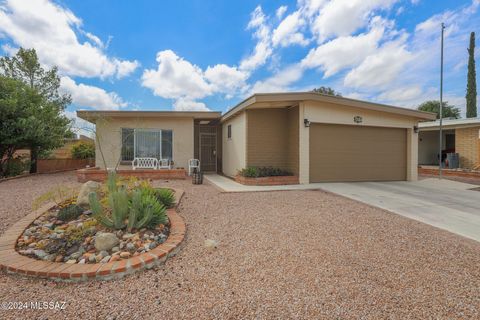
(89, 96)
(343, 52)
(183, 104)
(401, 95)
(288, 31)
(381, 68)
(52, 30)
(176, 78)
(226, 79)
(281, 11)
(280, 81)
(263, 48)
(343, 17)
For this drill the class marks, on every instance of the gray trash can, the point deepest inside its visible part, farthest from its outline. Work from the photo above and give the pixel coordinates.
(453, 160)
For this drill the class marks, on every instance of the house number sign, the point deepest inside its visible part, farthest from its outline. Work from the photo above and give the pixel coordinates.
(357, 119)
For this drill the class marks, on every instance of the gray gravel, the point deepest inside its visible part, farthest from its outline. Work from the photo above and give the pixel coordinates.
(296, 254)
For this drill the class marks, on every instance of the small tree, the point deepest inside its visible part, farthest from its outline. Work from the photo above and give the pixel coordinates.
(327, 90)
(471, 80)
(83, 150)
(448, 111)
(47, 126)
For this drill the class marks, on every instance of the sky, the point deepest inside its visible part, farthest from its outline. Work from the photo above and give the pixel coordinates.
(212, 54)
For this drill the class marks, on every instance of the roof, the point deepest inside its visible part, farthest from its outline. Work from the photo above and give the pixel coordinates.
(291, 98)
(93, 115)
(449, 124)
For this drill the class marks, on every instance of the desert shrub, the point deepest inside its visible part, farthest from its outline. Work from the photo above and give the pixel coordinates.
(131, 205)
(70, 212)
(83, 150)
(15, 167)
(165, 196)
(256, 172)
(56, 195)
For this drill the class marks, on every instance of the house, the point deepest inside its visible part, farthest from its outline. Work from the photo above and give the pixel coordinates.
(458, 135)
(316, 137)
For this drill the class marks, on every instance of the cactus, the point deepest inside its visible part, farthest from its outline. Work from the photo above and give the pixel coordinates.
(70, 212)
(118, 202)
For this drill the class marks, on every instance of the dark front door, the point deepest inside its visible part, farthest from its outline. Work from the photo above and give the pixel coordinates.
(208, 151)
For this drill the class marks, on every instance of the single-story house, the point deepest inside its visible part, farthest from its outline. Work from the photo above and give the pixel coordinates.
(316, 137)
(460, 136)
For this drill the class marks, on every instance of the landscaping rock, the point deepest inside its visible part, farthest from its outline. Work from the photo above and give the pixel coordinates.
(76, 255)
(125, 255)
(59, 258)
(103, 253)
(92, 259)
(87, 188)
(130, 246)
(71, 261)
(115, 249)
(211, 244)
(40, 253)
(105, 241)
(105, 259)
(82, 261)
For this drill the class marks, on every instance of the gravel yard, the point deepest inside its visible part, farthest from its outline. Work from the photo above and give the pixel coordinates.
(291, 254)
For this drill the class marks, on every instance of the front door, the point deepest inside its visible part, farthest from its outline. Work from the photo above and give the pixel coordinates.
(208, 151)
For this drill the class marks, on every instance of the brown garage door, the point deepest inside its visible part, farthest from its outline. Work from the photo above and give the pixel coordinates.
(357, 153)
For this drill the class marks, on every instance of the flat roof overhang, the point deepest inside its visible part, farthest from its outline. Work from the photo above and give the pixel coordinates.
(279, 100)
(449, 124)
(93, 115)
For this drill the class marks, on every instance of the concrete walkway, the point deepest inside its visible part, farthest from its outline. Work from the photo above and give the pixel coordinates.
(445, 204)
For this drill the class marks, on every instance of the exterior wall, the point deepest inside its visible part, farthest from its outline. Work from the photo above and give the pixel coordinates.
(467, 145)
(267, 138)
(320, 112)
(109, 137)
(293, 139)
(234, 149)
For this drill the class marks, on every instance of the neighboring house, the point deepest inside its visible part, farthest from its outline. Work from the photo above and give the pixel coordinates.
(317, 137)
(458, 135)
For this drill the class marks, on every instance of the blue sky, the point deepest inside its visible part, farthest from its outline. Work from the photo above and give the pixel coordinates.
(199, 55)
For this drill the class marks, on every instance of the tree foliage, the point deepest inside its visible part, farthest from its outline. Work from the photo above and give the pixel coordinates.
(38, 105)
(327, 91)
(83, 150)
(448, 111)
(471, 80)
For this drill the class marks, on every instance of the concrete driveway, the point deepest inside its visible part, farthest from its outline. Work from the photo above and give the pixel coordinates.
(445, 204)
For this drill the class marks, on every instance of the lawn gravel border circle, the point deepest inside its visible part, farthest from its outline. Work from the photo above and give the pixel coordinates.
(14, 263)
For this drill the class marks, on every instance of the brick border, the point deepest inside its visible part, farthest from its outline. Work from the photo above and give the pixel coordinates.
(267, 181)
(450, 172)
(13, 262)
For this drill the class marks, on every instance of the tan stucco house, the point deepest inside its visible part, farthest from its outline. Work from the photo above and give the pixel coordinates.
(460, 136)
(316, 137)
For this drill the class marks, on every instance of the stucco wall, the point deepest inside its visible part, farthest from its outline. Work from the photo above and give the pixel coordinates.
(321, 112)
(466, 144)
(109, 135)
(293, 139)
(234, 149)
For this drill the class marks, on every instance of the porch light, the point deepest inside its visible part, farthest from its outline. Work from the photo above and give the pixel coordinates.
(306, 122)
(415, 129)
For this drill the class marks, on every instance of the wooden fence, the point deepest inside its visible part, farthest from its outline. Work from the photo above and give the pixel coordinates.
(57, 165)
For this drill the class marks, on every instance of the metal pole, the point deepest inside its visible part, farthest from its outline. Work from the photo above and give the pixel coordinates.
(441, 108)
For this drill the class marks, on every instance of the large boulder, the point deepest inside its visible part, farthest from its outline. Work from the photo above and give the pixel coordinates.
(87, 188)
(105, 241)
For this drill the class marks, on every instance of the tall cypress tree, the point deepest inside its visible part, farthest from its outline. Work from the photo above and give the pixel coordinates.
(472, 82)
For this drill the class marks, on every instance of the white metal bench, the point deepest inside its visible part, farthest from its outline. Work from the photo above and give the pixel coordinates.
(144, 163)
(164, 164)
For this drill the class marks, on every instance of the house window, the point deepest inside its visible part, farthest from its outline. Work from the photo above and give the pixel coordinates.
(229, 131)
(149, 143)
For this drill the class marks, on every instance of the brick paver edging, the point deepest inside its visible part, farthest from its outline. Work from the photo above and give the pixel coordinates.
(13, 262)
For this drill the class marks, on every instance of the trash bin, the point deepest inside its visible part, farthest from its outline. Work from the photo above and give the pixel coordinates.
(453, 160)
(197, 176)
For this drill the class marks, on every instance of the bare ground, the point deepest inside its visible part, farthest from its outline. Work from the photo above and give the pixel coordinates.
(293, 254)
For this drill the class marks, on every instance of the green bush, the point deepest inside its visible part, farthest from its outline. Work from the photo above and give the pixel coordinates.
(165, 196)
(83, 150)
(257, 172)
(15, 167)
(70, 212)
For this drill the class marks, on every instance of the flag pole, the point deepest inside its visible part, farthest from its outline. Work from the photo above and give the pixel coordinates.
(441, 108)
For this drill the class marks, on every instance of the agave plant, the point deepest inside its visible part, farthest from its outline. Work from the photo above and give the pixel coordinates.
(118, 202)
(145, 210)
(165, 196)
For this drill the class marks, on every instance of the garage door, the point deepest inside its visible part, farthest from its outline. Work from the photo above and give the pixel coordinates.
(357, 153)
